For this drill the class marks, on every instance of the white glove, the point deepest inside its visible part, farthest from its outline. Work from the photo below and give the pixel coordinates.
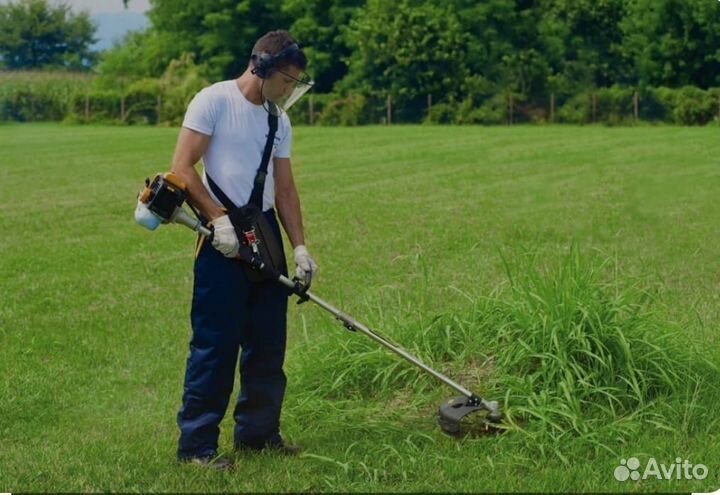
(305, 265)
(224, 237)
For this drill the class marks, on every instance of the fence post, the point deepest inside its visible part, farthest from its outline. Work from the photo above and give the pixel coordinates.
(510, 103)
(312, 109)
(552, 107)
(389, 109)
(429, 103)
(635, 106)
(594, 107)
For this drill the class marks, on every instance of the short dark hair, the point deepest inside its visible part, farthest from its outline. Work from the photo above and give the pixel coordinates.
(274, 42)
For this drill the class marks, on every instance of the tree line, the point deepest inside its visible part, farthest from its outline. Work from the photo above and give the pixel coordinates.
(454, 51)
(451, 47)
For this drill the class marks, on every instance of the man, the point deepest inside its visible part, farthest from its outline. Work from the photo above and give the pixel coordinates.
(227, 125)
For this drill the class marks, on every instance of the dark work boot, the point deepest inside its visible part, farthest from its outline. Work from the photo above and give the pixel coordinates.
(210, 461)
(285, 449)
(274, 448)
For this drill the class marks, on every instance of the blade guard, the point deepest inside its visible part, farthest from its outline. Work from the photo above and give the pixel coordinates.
(452, 412)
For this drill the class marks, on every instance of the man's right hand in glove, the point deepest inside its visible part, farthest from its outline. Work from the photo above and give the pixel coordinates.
(224, 237)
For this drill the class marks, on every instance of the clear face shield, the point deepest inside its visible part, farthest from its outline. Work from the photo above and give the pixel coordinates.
(285, 88)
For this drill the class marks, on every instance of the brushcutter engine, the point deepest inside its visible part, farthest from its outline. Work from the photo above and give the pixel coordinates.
(162, 201)
(163, 195)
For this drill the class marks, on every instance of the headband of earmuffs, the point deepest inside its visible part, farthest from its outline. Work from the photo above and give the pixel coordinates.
(265, 63)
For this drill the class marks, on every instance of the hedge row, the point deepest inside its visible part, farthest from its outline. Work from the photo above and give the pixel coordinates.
(70, 97)
(37, 96)
(613, 106)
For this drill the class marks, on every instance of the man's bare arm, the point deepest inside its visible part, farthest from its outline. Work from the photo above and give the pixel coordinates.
(190, 148)
(287, 201)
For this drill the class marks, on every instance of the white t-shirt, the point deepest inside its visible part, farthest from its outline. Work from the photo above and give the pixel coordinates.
(239, 130)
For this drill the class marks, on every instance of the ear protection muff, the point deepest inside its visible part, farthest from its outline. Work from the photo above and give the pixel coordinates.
(265, 63)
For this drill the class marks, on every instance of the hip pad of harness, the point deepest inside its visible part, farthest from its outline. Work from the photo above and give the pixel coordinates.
(258, 242)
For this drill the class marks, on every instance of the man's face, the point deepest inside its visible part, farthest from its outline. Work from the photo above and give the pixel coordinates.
(281, 83)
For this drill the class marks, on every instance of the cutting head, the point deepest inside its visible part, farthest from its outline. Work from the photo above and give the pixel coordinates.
(453, 411)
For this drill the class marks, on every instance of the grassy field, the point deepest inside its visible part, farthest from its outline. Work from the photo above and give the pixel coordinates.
(475, 247)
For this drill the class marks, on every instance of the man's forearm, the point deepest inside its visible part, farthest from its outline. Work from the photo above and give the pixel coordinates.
(288, 206)
(197, 194)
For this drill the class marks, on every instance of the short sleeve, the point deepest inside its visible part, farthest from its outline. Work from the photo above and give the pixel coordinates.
(201, 113)
(285, 144)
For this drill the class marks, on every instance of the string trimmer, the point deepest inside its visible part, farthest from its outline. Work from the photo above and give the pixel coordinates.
(162, 202)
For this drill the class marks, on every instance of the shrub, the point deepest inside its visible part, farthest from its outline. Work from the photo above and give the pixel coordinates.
(694, 106)
(142, 101)
(442, 113)
(615, 105)
(494, 110)
(180, 82)
(576, 110)
(101, 106)
(347, 111)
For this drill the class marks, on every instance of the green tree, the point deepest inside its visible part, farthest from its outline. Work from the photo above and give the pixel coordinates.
(502, 37)
(582, 41)
(319, 26)
(219, 33)
(34, 34)
(674, 42)
(140, 54)
(406, 49)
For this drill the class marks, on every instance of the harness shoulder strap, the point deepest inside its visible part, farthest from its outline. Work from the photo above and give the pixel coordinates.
(219, 194)
(256, 196)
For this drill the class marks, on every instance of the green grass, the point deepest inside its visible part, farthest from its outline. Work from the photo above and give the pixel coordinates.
(506, 257)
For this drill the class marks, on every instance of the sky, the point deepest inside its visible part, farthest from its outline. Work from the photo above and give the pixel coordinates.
(111, 17)
(106, 6)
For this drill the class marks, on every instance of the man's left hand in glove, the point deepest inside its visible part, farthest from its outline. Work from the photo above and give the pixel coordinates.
(306, 268)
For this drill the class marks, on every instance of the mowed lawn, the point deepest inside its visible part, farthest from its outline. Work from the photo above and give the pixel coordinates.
(406, 223)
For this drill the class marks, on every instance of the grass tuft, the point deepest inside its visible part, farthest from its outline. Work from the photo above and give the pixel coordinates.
(580, 353)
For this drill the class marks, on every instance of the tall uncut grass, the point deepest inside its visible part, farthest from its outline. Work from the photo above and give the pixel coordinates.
(573, 348)
(582, 355)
